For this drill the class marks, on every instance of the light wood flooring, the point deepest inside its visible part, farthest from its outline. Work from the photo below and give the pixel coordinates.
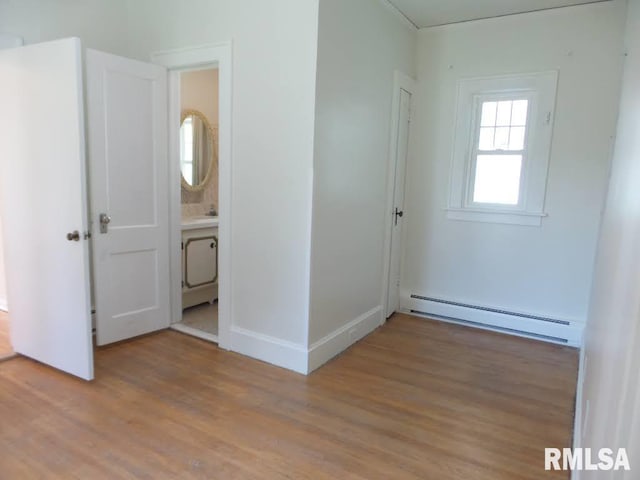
(416, 399)
(5, 342)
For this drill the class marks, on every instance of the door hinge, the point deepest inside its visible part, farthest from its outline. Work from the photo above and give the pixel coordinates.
(181, 245)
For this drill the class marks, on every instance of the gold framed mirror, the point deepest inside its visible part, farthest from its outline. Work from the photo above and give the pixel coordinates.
(198, 151)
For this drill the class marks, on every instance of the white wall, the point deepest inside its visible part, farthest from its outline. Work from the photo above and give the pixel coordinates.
(3, 283)
(274, 67)
(360, 44)
(537, 270)
(612, 348)
(100, 24)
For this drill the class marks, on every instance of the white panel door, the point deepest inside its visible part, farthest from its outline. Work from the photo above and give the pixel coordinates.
(393, 299)
(127, 129)
(43, 190)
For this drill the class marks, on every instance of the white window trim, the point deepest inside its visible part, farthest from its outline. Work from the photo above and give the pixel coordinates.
(540, 89)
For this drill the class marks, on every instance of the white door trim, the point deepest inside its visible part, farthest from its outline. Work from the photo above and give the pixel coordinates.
(400, 82)
(190, 59)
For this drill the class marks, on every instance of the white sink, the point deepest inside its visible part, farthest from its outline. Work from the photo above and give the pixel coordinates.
(200, 221)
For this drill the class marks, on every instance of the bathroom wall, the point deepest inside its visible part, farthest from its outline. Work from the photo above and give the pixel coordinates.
(199, 91)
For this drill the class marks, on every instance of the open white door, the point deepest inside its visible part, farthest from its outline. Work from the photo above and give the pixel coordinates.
(43, 188)
(128, 142)
(401, 149)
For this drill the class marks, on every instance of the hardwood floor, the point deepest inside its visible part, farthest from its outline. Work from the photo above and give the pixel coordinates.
(5, 343)
(415, 400)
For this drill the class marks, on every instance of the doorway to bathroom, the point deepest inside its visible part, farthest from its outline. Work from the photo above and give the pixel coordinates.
(199, 120)
(124, 202)
(199, 129)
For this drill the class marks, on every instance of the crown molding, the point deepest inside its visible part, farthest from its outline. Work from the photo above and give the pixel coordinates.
(396, 12)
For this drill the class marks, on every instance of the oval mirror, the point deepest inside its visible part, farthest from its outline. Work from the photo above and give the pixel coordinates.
(197, 150)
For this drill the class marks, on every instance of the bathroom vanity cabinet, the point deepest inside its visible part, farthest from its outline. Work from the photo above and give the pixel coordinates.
(199, 262)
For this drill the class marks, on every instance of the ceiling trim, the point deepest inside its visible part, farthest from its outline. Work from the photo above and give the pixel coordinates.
(582, 4)
(399, 14)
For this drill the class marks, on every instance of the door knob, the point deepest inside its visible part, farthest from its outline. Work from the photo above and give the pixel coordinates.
(73, 236)
(398, 213)
(104, 222)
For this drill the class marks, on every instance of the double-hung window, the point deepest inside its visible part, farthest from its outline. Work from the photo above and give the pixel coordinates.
(502, 145)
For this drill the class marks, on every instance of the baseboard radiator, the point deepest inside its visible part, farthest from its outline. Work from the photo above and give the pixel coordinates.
(565, 332)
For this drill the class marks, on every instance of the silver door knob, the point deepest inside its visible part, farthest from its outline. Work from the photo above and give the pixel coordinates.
(73, 236)
(104, 222)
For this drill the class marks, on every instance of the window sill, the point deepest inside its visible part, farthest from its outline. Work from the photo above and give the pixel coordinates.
(510, 217)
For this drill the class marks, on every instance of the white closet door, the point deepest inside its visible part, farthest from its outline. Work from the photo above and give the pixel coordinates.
(402, 139)
(127, 105)
(42, 172)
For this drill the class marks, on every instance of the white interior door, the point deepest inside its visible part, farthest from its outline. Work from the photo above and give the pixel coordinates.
(128, 169)
(43, 189)
(402, 145)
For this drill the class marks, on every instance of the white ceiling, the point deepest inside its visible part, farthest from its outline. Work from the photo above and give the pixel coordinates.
(429, 13)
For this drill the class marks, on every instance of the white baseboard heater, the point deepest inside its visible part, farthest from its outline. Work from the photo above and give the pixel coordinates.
(548, 329)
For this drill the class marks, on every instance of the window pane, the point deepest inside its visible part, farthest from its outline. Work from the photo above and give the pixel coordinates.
(502, 138)
(186, 140)
(489, 114)
(504, 114)
(516, 139)
(187, 127)
(187, 172)
(497, 179)
(486, 138)
(519, 115)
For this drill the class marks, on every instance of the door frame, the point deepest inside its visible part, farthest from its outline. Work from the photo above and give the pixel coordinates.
(401, 81)
(178, 61)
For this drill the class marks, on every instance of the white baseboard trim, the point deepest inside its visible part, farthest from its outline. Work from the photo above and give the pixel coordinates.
(296, 357)
(564, 332)
(338, 341)
(3, 305)
(269, 349)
